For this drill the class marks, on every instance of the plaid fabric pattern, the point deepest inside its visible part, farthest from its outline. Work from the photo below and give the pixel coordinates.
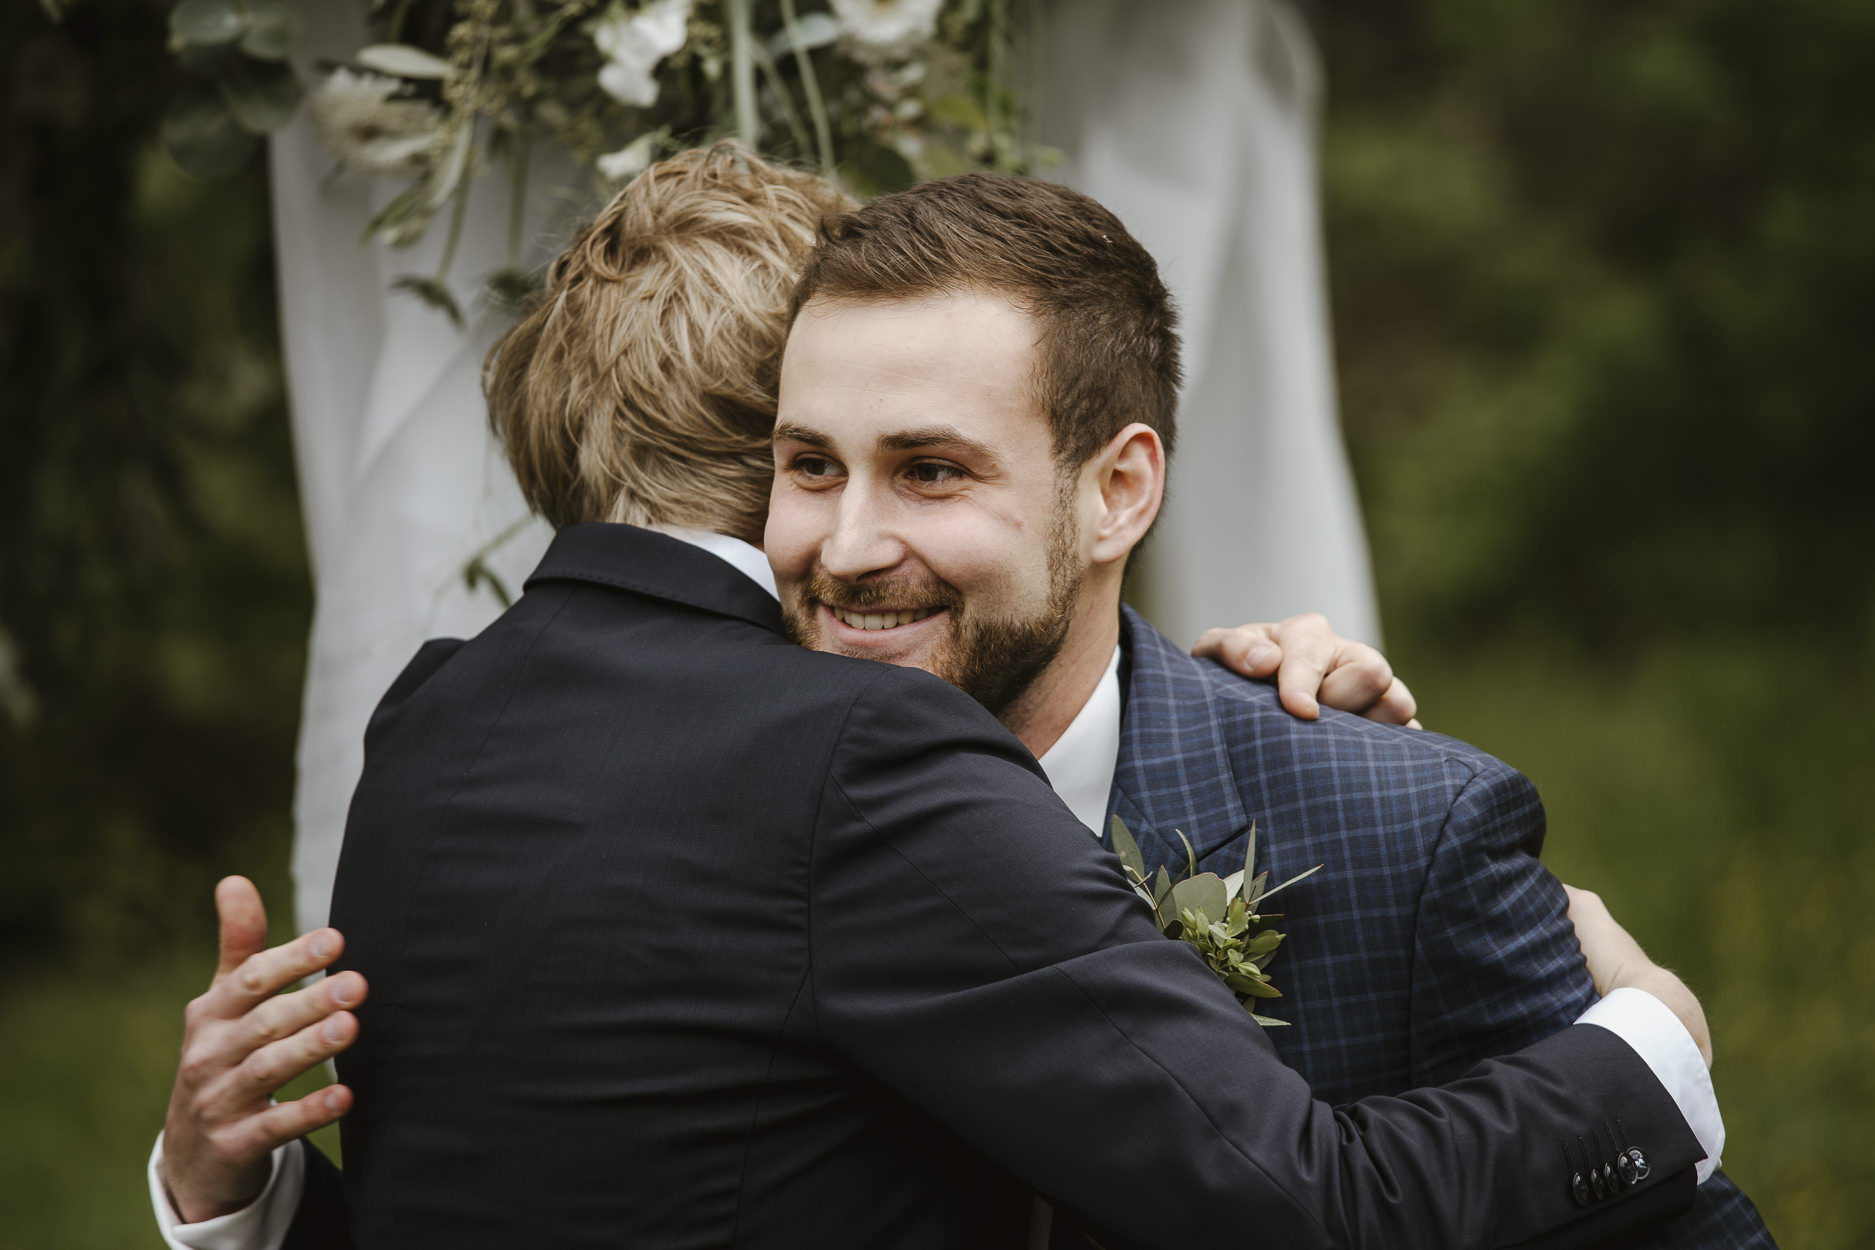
(1431, 939)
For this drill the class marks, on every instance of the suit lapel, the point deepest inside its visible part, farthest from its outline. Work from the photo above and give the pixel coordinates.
(656, 564)
(1174, 771)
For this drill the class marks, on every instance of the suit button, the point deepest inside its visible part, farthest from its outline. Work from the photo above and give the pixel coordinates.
(1625, 1169)
(1595, 1184)
(1639, 1161)
(1610, 1180)
(1579, 1189)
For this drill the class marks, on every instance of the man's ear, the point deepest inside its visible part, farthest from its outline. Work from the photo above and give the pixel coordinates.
(1130, 475)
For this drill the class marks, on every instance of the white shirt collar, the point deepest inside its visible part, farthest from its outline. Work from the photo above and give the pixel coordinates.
(745, 558)
(1080, 765)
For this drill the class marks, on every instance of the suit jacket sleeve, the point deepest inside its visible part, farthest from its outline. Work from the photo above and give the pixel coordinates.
(974, 949)
(319, 1223)
(1496, 965)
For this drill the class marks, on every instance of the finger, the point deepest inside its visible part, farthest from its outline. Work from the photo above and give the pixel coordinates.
(272, 970)
(264, 1072)
(1357, 680)
(243, 922)
(286, 1014)
(1247, 649)
(1395, 707)
(268, 1130)
(1309, 646)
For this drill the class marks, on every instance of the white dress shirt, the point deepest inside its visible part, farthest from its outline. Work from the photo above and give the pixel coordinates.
(1080, 767)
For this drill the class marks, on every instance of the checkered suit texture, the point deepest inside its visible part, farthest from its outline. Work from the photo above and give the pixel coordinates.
(1432, 937)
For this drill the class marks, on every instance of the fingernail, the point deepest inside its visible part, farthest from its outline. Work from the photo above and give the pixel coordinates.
(320, 946)
(342, 994)
(1259, 656)
(333, 1031)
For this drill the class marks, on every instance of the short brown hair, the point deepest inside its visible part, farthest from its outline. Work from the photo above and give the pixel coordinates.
(1107, 351)
(641, 386)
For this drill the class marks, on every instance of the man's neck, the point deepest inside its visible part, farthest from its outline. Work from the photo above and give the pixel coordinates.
(1057, 696)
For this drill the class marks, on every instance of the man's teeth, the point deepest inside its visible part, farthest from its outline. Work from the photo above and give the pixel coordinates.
(882, 620)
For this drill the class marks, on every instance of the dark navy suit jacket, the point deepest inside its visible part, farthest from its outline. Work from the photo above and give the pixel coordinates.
(680, 935)
(1432, 937)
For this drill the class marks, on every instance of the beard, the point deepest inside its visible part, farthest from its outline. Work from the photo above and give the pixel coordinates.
(993, 659)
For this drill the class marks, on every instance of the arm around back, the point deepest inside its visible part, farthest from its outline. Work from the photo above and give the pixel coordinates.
(974, 950)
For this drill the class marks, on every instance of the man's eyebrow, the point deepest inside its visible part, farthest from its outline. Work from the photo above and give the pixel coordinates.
(935, 436)
(790, 432)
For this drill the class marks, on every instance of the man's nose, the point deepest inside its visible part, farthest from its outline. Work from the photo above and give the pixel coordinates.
(863, 540)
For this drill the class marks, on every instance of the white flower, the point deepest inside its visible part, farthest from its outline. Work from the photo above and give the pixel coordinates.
(357, 118)
(877, 31)
(633, 44)
(630, 161)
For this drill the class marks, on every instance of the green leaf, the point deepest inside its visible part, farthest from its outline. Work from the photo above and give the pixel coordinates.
(437, 296)
(1265, 942)
(1259, 989)
(1298, 877)
(1202, 893)
(1191, 856)
(1161, 886)
(512, 288)
(206, 22)
(273, 27)
(262, 95)
(201, 135)
(960, 110)
(1233, 884)
(1250, 853)
(400, 60)
(1127, 849)
(1269, 1022)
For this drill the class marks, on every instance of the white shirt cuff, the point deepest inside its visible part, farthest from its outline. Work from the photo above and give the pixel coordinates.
(261, 1225)
(1658, 1037)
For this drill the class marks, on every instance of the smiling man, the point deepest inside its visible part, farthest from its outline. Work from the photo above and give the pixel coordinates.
(977, 409)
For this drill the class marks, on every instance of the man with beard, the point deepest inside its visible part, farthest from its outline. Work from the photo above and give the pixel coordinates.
(676, 932)
(977, 410)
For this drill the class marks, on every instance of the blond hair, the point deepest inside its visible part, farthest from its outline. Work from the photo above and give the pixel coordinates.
(641, 387)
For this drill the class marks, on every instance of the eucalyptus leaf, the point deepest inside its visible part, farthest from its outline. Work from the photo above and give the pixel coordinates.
(400, 60)
(815, 30)
(1233, 884)
(1260, 989)
(1269, 1022)
(1202, 893)
(512, 288)
(202, 136)
(1298, 877)
(432, 292)
(262, 95)
(206, 22)
(447, 173)
(1191, 856)
(1250, 852)
(273, 27)
(1265, 942)
(1161, 886)
(1127, 849)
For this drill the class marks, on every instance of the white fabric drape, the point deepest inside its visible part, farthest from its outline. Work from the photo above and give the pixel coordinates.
(1192, 119)
(401, 483)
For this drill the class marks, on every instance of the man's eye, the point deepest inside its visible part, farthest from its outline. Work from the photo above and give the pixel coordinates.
(927, 473)
(814, 466)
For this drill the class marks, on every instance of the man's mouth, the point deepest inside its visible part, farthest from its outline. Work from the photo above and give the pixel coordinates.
(855, 619)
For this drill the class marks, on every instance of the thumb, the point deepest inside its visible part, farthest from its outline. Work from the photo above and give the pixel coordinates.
(243, 922)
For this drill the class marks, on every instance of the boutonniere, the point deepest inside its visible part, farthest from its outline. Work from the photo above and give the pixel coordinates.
(1219, 916)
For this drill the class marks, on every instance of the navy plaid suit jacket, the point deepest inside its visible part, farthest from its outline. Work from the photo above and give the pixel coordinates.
(1431, 939)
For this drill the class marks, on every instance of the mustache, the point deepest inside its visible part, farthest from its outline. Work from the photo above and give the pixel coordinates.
(897, 592)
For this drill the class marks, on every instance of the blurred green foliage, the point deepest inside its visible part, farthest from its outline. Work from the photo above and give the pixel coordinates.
(1599, 276)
